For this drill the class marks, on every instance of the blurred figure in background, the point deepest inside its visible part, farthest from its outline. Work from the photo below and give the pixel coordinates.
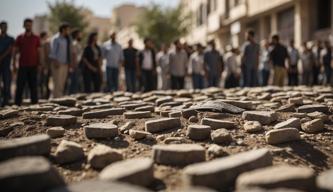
(178, 61)
(278, 57)
(326, 60)
(293, 65)
(197, 67)
(265, 65)
(6, 49)
(75, 73)
(61, 55)
(250, 60)
(45, 70)
(130, 54)
(92, 62)
(316, 50)
(162, 59)
(114, 56)
(308, 61)
(213, 65)
(231, 68)
(27, 47)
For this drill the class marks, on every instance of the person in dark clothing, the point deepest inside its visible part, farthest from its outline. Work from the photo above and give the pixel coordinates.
(6, 48)
(27, 46)
(92, 60)
(316, 67)
(130, 54)
(146, 66)
(213, 65)
(326, 60)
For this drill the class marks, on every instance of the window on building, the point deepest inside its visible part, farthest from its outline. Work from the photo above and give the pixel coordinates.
(323, 14)
(201, 15)
(286, 25)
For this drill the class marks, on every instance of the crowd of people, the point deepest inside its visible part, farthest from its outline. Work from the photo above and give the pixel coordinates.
(75, 66)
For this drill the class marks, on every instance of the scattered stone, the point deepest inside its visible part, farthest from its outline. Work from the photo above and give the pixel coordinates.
(9, 113)
(29, 174)
(137, 135)
(127, 126)
(174, 140)
(312, 108)
(137, 114)
(158, 125)
(253, 126)
(221, 136)
(60, 120)
(25, 146)
(101, 130)
(68, 152)
(71, 111)
(138, 171)
(193, 119)
(187, 113)
(278, 177)
(293, 122)
(221, 173)
(286, 108)
(103, 113)
(101, 156)
(162, 100)
(298, 115)
(55, 132)
(65, 101)
(216, 123)
(145, 108)
(264, 117)
(175, 114)
(318, 115)
(218, 106)
(313, 126)
(215, 151)
(198, 132)
(325, 180)
(283, 135)
(296, 100)
(178, 154)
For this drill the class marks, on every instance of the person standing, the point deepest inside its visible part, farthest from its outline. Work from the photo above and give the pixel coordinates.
(197, 67)
(162, 59)
(6, 48)
(130, 54)
(213, 65)
(308, 61)
(92, 62)
(178, 61)
(316, 50)
(293, 65)
(250, 60)
(231, 68)
(146, 65)
(264, 66)
(326, 60)
(278, 57)
(61, 55)
(114, 56)
(45, 71)
(75, 73)
(27, 46)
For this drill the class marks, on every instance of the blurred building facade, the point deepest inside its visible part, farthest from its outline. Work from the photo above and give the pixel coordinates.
(123, 20)
(225, 21)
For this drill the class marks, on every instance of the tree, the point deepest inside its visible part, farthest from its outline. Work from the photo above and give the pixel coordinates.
(163, 25)
(63, 11)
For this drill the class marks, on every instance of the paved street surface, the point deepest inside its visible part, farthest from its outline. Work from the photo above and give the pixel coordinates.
(244, 139)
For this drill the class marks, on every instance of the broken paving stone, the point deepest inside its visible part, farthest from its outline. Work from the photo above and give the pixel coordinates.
(187, 113)
(137, 171)
(292, 122)
(100, 186)
(175, 114)
(127, 126)
(25, 146)
(60, 120)
(218, 106)
(264, 117)
(9, 113)
(221, 136)
(241, 104)
(178, 154)
(101, 130)
(253, 126)
(137, 135)
(145, 108)
(296, 100)
(137, 114)
(71, 111)
(65, 101)
(286, 108)
(318, 115)
(198, 132)
(101, 156)
(29, 174)
(221, 173)
(193, 119)
(215, 151)
(278, 136)
(312, 108)
(216, 123)
(174, 140)
(325, 180)
(103, 113)
(68, 152)
(313, 126)
(162, 100)
(55, 132)
(158, 125)
(282, 176)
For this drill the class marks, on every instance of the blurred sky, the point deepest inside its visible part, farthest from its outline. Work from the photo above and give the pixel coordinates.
(14, 11)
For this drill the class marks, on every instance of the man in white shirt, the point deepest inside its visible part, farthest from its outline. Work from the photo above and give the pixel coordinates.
(197, 67)
(178, 66)
(113, 54)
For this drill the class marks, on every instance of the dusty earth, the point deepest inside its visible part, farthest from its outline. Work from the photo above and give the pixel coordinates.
(314, 150)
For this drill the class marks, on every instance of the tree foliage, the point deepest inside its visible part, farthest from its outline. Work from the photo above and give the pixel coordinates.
(66, 11)
(163, 25)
